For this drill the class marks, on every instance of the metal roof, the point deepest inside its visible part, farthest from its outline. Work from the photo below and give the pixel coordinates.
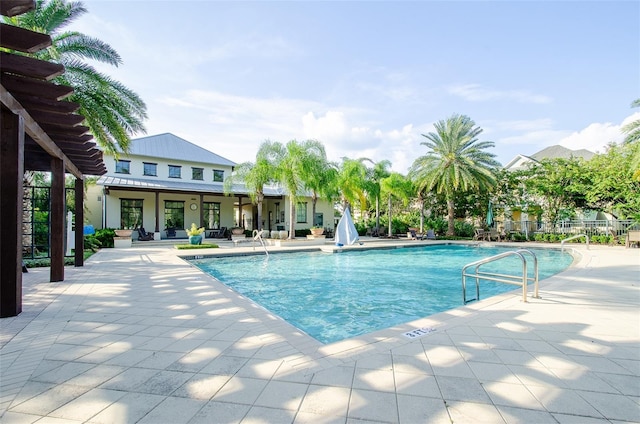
(155, 184)
(168, 145)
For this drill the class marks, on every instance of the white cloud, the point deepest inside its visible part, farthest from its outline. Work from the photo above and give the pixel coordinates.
(477, 93)
(595, 137)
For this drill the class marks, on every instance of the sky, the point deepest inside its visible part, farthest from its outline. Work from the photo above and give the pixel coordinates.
(368, 78)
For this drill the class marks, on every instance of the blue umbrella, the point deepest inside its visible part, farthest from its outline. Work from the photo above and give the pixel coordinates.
(490, 215)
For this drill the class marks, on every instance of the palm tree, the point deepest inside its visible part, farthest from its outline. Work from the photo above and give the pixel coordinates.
(398, 186)
(254, 176)
(632, 130)
(112, 111)
(456, 162)
(293, 161)
(351, 181)
(375, 176)
(319, 178)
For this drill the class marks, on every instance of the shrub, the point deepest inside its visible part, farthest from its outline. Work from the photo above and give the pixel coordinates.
(463, 229)
(105, 236)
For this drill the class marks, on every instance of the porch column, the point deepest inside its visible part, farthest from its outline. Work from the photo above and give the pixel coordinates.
(201, 209)
(157, 229)
(57, 220)
(11, 194)
(79, 235)
(240, 211)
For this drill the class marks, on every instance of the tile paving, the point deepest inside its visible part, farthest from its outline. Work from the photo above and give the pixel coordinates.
(139, 336)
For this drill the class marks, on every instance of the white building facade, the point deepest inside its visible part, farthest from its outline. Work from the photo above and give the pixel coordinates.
(166, 183)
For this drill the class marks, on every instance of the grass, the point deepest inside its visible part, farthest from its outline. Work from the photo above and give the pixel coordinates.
(196, 246)
(46, 262)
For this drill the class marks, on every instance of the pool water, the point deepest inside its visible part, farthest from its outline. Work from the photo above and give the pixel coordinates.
(332, 297)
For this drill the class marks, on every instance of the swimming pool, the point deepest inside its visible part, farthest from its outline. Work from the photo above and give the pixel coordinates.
(332, 297)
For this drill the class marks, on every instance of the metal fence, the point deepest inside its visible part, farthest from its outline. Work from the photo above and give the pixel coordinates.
(615, 227)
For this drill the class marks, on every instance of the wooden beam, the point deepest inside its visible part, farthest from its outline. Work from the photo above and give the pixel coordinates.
(35, 132)
(22, 40)
(34, 87)
(55, 129)
(16, 7)
(29, 67)
(69, 119)
(11, 195)
(58, 202)
(39, 103)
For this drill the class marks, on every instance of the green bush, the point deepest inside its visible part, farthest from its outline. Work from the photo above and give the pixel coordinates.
(463, 229)
(105, 236)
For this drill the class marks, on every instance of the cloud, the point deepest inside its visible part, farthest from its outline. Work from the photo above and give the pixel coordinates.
(477, 93)
(596, 136)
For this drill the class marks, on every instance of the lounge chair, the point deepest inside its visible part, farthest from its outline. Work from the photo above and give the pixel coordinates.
(479, 234)
(431, 235)
(413, 235)
(633, 237)
(143, 235)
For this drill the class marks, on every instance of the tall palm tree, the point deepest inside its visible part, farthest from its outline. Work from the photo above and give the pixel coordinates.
(375, 176)
(112, 111)
(632, 130)
(255, 176)
(398, 186)
(456, 161)
(319, 177)
(351, 182)
(293, 161)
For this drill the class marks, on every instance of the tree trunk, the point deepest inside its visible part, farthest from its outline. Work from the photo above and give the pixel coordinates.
(421, 215)
(390, 234)
(292, 218)
(451, 215)
(260, 199)
(377, 214)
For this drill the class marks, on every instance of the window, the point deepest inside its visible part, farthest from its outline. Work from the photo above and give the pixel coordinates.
(318, 220)
(123, 166)
(150, 169)
(197, 174)
(211, 213)
(174, 214)
(218, 175)
(175, 171)
(130, 213)
(278, 212)
(301, 212)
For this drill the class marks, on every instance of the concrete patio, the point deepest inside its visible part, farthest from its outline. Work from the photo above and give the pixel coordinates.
(137, 335)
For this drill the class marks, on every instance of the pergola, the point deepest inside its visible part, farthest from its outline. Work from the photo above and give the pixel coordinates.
(40, 131)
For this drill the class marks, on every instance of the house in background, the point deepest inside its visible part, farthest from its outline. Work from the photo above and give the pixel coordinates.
(526, 222)
(165, 183)
(552, 152)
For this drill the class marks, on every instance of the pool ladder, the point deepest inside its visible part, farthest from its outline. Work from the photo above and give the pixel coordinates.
(573, 238)
(518, 280)
(257, 235)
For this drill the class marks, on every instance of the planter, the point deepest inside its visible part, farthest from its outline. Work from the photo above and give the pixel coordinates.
(237, 231)
(317, 231)
(283, 234)
(195, 239)
(123, 233)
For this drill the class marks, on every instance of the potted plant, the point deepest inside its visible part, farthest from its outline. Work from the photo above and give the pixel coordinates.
(316, 231)
(195, 234)
(236, 231)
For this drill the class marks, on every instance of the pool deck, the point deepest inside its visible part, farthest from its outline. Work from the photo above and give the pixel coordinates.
(139, 335)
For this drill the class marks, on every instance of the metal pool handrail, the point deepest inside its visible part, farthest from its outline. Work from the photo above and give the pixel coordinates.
(573, 238)
(501, 278)
(257, 235)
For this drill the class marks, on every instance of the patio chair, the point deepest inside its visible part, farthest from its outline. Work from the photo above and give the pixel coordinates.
(633, 238)
(143, 235)
(431, 235)
(171, 232)
(479, 234)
